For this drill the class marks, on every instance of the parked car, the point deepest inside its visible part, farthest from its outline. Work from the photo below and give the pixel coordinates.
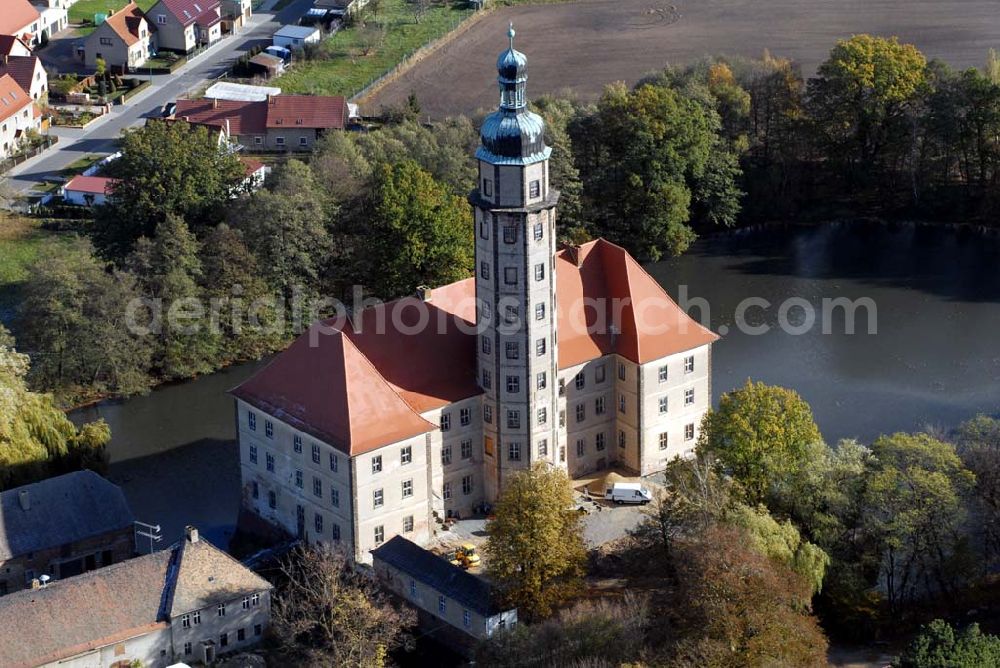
(628, 492)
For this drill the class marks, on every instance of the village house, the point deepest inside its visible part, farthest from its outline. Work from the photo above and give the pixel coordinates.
(53, 17)
(62, 527)
(191, 602)
(13, 46)
(87, 190)
(18, 115)
(419, 409)
(296, 37)
(279, 123)
(236, 15)
(125, 40)
(441, 593)
(29, 74)
(22, 20)
(184, 25)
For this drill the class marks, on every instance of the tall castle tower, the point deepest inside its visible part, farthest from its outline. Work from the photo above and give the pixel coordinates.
(515, 213)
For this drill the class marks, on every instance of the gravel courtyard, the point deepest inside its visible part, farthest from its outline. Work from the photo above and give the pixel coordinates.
(581, 46)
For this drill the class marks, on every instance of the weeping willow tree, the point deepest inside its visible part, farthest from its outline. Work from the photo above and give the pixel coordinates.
(37, 440)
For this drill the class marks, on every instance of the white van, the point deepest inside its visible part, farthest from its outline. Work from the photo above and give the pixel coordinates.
(628, 492)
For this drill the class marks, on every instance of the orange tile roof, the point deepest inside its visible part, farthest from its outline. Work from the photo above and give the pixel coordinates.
(307, 111)
(400, 369)
(97, 185)
(17, 15)
(126, 23)
(333, 392)
(12, 97)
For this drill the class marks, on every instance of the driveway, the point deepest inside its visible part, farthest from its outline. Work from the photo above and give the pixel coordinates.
(59, 57)
(101, 137)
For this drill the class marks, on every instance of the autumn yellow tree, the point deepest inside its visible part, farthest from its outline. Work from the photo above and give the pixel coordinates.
(535, 552)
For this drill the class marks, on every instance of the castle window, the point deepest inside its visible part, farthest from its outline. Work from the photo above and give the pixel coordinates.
(408, 524)
(467, 448)
(484, 270)
(318, 523)
(543, 447)
(513, 384)
(663, 441)
(580, 381)
(514, 452)
(540, 347)
(269, 461)
(445, 455)
(581, 412)
(297, 443)
(562, 418)
(621, 439)
(581, 447)
(662, 374)
(253, 454)
(333, 462)
(540, 311)
(621, 403)
(335, 497)
(511, 314)
(268, 428)
(487, 379)
(379, 534)
(599, 441)
(543, 415)
(317, 487)
(445, 421)
(376, 463)
(689, 431)
(488, 187)
(488, 414)
(540, 271)
(599, 373)
(467, 485)
(689, 364)
(252, 420)
(378, 498)
(406, 455)
(599, 406)
(513, 350)
(487, 345)
(541, 381)
(621, 371)
(334, 534)
(272, 500)
(484, 229)
(509, 234)
(298, 479)
(562, 386)
(510, 275)
(446, 491)
(539, 229)
(315, 454)
(534, 188)
(688, 397)
(562, 453)
(513, 419)
(407, 489)
(663, 405)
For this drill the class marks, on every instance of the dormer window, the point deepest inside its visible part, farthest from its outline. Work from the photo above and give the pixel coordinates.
(535, 189)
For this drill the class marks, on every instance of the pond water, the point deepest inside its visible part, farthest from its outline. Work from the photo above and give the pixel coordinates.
(934, 361)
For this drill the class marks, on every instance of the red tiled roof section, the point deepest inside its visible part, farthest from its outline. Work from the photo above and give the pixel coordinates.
(12, 97)
(602, 273)
(21, 68)
(98, 185)
(244, 117)
(251, 166)
(306, 111)
(10, 44)
(187, 11)
(17, 15)
(332, 391)
(429, 366)
(127, 22)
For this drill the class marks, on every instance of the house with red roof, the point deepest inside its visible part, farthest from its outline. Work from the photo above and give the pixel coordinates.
(11, 45)
(29, 74)
(184, 25)
(378, 422)
(87, 190)
(22, 20)
(124, 41)
(279, 123)
(18, 115)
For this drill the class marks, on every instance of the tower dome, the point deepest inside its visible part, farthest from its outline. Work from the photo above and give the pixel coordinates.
(512, 134)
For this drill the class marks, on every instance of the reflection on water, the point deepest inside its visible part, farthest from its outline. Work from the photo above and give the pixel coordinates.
(935, 359)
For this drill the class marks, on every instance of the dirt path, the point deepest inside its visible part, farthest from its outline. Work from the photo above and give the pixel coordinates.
(584, 45)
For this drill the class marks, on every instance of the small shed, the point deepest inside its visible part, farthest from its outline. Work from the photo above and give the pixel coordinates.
(296, 37)
(87, 190)
(270, 66)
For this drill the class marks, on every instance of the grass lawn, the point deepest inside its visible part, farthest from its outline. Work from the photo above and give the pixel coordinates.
(21, 239)
(347, 70)
(84, 10)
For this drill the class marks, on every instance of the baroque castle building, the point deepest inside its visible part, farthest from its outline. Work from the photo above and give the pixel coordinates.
(421, 408)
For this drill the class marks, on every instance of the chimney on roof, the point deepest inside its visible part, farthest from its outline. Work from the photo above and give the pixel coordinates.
(24, 500)
(191, 533)
(36, 583)
(424, 293)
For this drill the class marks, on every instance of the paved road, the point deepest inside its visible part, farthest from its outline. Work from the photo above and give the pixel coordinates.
(100, 137)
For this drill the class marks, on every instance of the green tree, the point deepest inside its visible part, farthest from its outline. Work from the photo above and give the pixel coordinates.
(37, 440)
(940, 646)
(165, 169)
(978, 444)
(420, 233)
(913, 508)
(563, 173)
(861, 98)
(760, 434)
(169, 269)
(73, 320)
(535, 551)
(642, 156)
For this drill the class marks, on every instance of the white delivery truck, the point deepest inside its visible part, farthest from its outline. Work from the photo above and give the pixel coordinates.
(628, 492)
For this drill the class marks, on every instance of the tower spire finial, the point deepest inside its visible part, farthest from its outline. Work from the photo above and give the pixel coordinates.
(511, 33)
